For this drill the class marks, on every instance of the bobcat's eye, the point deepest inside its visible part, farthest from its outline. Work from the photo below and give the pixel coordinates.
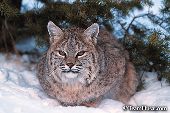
(62, 53)
(81, 53)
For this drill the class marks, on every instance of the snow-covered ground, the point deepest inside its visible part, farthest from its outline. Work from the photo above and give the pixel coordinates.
(20, 92)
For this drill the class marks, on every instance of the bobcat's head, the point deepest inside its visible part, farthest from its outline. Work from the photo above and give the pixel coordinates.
(72, 56)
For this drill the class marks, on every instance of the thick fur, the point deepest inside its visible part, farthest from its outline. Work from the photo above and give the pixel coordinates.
(104, 71)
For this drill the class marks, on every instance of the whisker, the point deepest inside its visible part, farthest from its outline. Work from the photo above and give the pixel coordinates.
(62, 66)
(79, 67)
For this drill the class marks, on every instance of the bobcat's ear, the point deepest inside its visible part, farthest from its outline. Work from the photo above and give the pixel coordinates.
(92, 32)
(54, 31)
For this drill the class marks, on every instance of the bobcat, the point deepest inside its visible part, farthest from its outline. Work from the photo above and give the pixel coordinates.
(82, 67)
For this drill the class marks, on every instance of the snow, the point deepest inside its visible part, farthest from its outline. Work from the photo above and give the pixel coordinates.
(20, 92)
(156, 93)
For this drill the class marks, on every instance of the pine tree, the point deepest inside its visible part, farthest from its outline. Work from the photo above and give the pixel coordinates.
(149, 48)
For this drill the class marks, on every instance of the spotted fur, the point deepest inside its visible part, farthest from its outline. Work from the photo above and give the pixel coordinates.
(81, 66)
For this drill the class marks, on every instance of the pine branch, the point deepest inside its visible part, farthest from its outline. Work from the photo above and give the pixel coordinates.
(126, 30)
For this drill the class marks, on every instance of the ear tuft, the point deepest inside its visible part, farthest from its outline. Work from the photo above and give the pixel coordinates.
(92, 32)
(54, 30)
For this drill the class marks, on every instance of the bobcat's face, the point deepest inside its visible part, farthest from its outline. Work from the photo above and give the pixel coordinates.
(72, 56)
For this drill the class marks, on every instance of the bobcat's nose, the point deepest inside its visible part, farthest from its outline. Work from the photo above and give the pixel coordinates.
(70, 65)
